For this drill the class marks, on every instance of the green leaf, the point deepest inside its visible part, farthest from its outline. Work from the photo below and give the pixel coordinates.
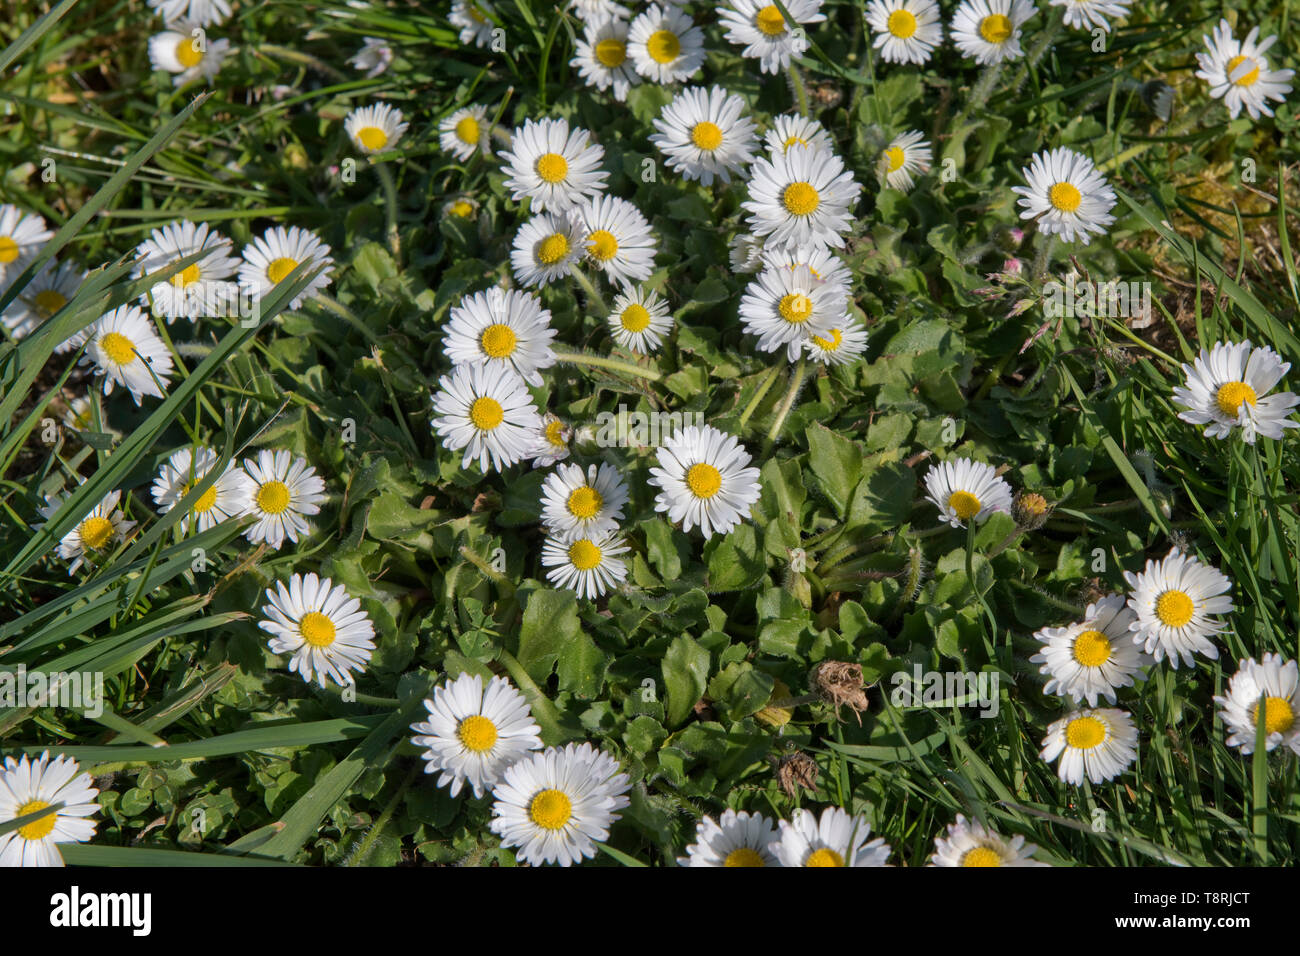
(837, 463)
(686, 675)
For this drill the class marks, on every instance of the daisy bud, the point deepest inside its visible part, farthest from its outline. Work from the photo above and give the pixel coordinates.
(1029, 510)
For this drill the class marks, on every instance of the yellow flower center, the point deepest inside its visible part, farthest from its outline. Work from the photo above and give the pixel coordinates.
(555, 434)
(584, 554)
(831, 344)
(795, 308)
(188, 53)
(552, 249)
(550, 810)
(800, 199)
(964, 505)
(467, 131)
(794, 141)
(706, 135)
(186, 277)
(824, 857)
(704, 480)
(635, 318)
(995, 28)
(901, 24)
(1250, 78)
(8, 250)
(770, 21)
(602, 245)
(49, 301)
(552, 167)
(95, 532)
(1174, 608)
(119, 349)
(1278, 715)
(1092, 648)
(744, 856)
(279, 268)
(611, 53)
(981, 856)
(1230, 396)
(273, 497)
(1084, 733)
(896, 158)
(206, 500)
(316, 629)
(372, 137)
(1065, 197)
(37, 829)
(585, 502)
(498, 341)
(477, 733)
(486, 413)
(663, 46)
(462, 208)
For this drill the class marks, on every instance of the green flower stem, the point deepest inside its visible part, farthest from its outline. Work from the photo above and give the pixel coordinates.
(343, 312)
(614, 365)
(1043, 261)
(763, 388)
(385, 174)
(800, 90)
(593, 294)
(504, 583)
(796, 383)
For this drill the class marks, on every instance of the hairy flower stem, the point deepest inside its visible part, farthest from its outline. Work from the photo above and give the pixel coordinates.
(597, 361)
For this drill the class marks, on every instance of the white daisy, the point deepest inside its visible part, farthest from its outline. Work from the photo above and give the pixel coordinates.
(92, 537)
(617, 239)
(837, 839)
(1092, 657)
(1174, 599)
(1227, 388)
(1238, 72)
(281, 490)
(268, 260)
(786, 307)
(640, 320)
(840, 346)
(826, 267)
(907, 31)
(125, 349)
(29, 786)
(464, 132)
(702, 134)
(765, 33)
(598, 11)
(906, 155)
(1065, 189)
(555, 805)
(791, 129)
(963, 489)
(1099, 744)
(705, 480)
(201, 286)
(601, 59)
(374, 57)
(1086, 14)
(988, 31)
(49, 290)
(462, 207)
(735, 839)
(970, 843)
(577, 503)
(746, 253)
(502, 329)
(226, 497)
(189, 52)
(1278, 682)
(802, 197)
(472, 734)
(321, 626)
(375, 128)
(665, 45)
(487, 411)
(551, 443)
(472, 17)
(546, 247)
(21, 236)
(80, 416)
(557, 168)
(200, 12)
(587, 564)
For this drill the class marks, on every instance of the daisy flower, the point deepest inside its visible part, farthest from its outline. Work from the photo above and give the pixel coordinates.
(1085, 14)
(702, 134)
(375, 128)
(555, 805)
(125, 349)
(1092, 658)
(487, 411)
(988, 31)
(268, 260)
(801, 197)
(1278, 683)
(195, 290)
(21, 236)
(464, 132)
(1238, 72)
(472, 734)
(226, 497)
(907, 154)
(597, 11)
(826, 267)
(1227, 388)
(640, 320)
(617, 239)
(472, 17)
(199, 12)
(1065, 189)
(188, 52)
(785, 307)
(462, 207)
(551, 443)
(665, 45)
(1173, 599)
(587, 564)
(1099, 744)
(837, 839)
(49, 290)
(600, 57)
(557, 168)
(735, 839)
(907, 31)
(29, 786)
(374, 57)
(321, 626)
(764, 32)
(963, 489)
(746, 253)
(282, 489)
(705, 480)
(545, 247)
(791, 129)
(970, 843)
(94, 534)
(839, 346)
(501, 329)
(577, 503)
